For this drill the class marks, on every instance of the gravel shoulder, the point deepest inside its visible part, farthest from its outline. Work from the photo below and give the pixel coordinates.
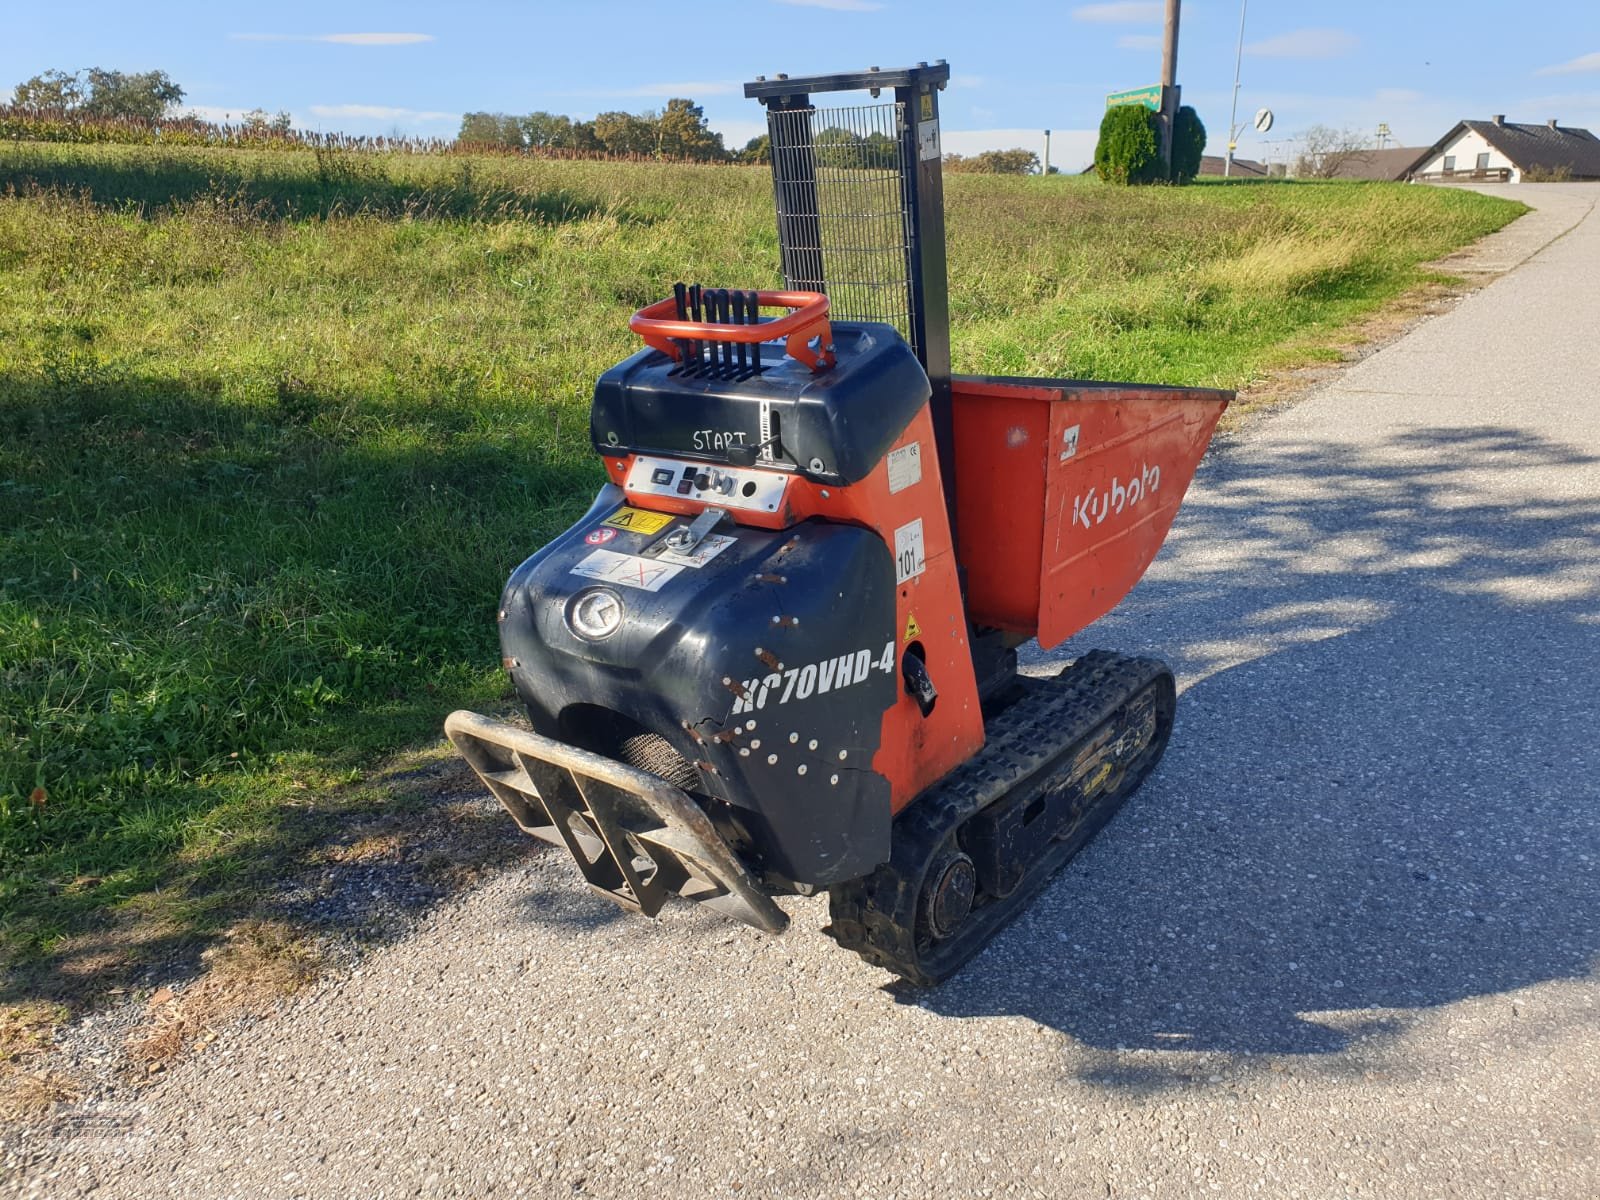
(1344, 943)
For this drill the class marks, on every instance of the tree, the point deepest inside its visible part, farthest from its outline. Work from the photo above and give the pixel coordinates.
(257, 121)
(1188, 145)
(98, 92)
(491, 129)
(879, 151)
(681, 132)
(626, 133)
(757, 150)
(678, 132)
(556, 132)
(836, 147)
(585, 138)
(1325, 151)
(51, 89)
(145, 94)
(1128, 150)
(995, 162)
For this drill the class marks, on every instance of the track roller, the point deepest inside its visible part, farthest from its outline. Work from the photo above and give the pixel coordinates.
(969, 853)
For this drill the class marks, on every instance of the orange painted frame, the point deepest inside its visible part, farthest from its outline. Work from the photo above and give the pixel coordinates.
(1066, 490)
(913, 751)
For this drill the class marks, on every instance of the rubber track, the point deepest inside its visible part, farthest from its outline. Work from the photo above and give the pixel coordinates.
(876, 916)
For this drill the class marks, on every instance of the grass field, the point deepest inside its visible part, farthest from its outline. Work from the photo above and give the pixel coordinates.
(275, 427)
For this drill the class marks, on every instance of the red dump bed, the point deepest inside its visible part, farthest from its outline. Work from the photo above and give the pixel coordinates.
(1065, 491)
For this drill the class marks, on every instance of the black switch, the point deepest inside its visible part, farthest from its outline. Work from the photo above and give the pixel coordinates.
(918, 682)
(661, 476)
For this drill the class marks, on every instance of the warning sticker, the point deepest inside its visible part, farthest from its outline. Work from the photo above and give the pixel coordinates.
(599, 537)
(639, 520)
(910, 560)
(1069, 442)
(905, 467)
(646, 574)
(927, 139)
(913, 630)
(709, 547)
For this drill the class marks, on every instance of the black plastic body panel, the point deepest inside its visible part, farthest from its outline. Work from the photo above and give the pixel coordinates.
(845, 418)
(770, 667)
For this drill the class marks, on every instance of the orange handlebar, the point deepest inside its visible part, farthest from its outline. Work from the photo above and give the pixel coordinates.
(658, 325)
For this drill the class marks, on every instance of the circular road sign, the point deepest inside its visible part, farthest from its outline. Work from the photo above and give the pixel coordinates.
(1263, 120)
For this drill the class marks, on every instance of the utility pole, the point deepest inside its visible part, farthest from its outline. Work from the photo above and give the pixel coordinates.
(1169, 90)
(1233, 113)
(1046, 170)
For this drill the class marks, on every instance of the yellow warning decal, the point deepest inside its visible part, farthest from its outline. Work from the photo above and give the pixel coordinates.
(639, 520)
(913, 630)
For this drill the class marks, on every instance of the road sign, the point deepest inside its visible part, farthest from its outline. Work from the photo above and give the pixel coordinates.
(1263, 120)
(1150, 97)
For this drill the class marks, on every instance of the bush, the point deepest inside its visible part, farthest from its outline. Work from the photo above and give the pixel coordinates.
(1128, 150)
(1188, 144)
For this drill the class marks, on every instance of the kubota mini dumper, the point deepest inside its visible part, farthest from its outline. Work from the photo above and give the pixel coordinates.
(777, 655)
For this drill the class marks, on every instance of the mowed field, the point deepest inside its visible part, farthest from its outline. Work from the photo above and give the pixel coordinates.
(275, 426)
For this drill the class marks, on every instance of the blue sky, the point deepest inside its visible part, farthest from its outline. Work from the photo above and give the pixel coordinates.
(1020, 67)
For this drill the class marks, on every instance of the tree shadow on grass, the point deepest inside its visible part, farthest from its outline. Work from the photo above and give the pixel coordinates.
(323, 184)
(217, 621)
(1380, 794)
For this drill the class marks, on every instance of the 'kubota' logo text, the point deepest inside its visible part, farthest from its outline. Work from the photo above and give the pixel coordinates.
(1096, 504)
(813, 679)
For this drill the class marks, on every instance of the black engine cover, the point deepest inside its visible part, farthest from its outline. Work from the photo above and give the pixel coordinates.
(769, 666)
(833, 427)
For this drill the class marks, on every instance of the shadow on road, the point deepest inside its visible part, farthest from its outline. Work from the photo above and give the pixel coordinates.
(1381, 793)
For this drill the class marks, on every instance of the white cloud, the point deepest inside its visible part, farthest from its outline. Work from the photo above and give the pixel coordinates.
(836, 5)
(1581, 109)
(343, 39)
(1140, 41)
(1568, 100)
(1579, 65)
(1304, 43)
(1128, 12)
(379, 112)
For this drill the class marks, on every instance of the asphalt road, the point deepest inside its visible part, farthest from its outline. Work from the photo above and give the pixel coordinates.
(1343, 944)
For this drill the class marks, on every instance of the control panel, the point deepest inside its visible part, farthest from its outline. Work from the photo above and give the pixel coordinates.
(726, 487)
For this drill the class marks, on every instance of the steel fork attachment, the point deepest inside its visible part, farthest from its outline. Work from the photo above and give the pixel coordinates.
(636, 839)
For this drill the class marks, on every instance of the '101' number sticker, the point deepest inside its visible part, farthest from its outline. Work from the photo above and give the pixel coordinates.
(910, 560)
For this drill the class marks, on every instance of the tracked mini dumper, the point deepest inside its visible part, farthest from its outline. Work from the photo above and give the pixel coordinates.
(778, 654)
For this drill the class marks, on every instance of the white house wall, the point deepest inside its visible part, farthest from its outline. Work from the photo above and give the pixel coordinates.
(1466, 146)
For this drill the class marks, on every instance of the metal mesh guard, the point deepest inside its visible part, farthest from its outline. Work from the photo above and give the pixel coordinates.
(844, 208)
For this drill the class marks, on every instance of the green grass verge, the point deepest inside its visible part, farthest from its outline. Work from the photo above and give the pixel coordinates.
(277, 426)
